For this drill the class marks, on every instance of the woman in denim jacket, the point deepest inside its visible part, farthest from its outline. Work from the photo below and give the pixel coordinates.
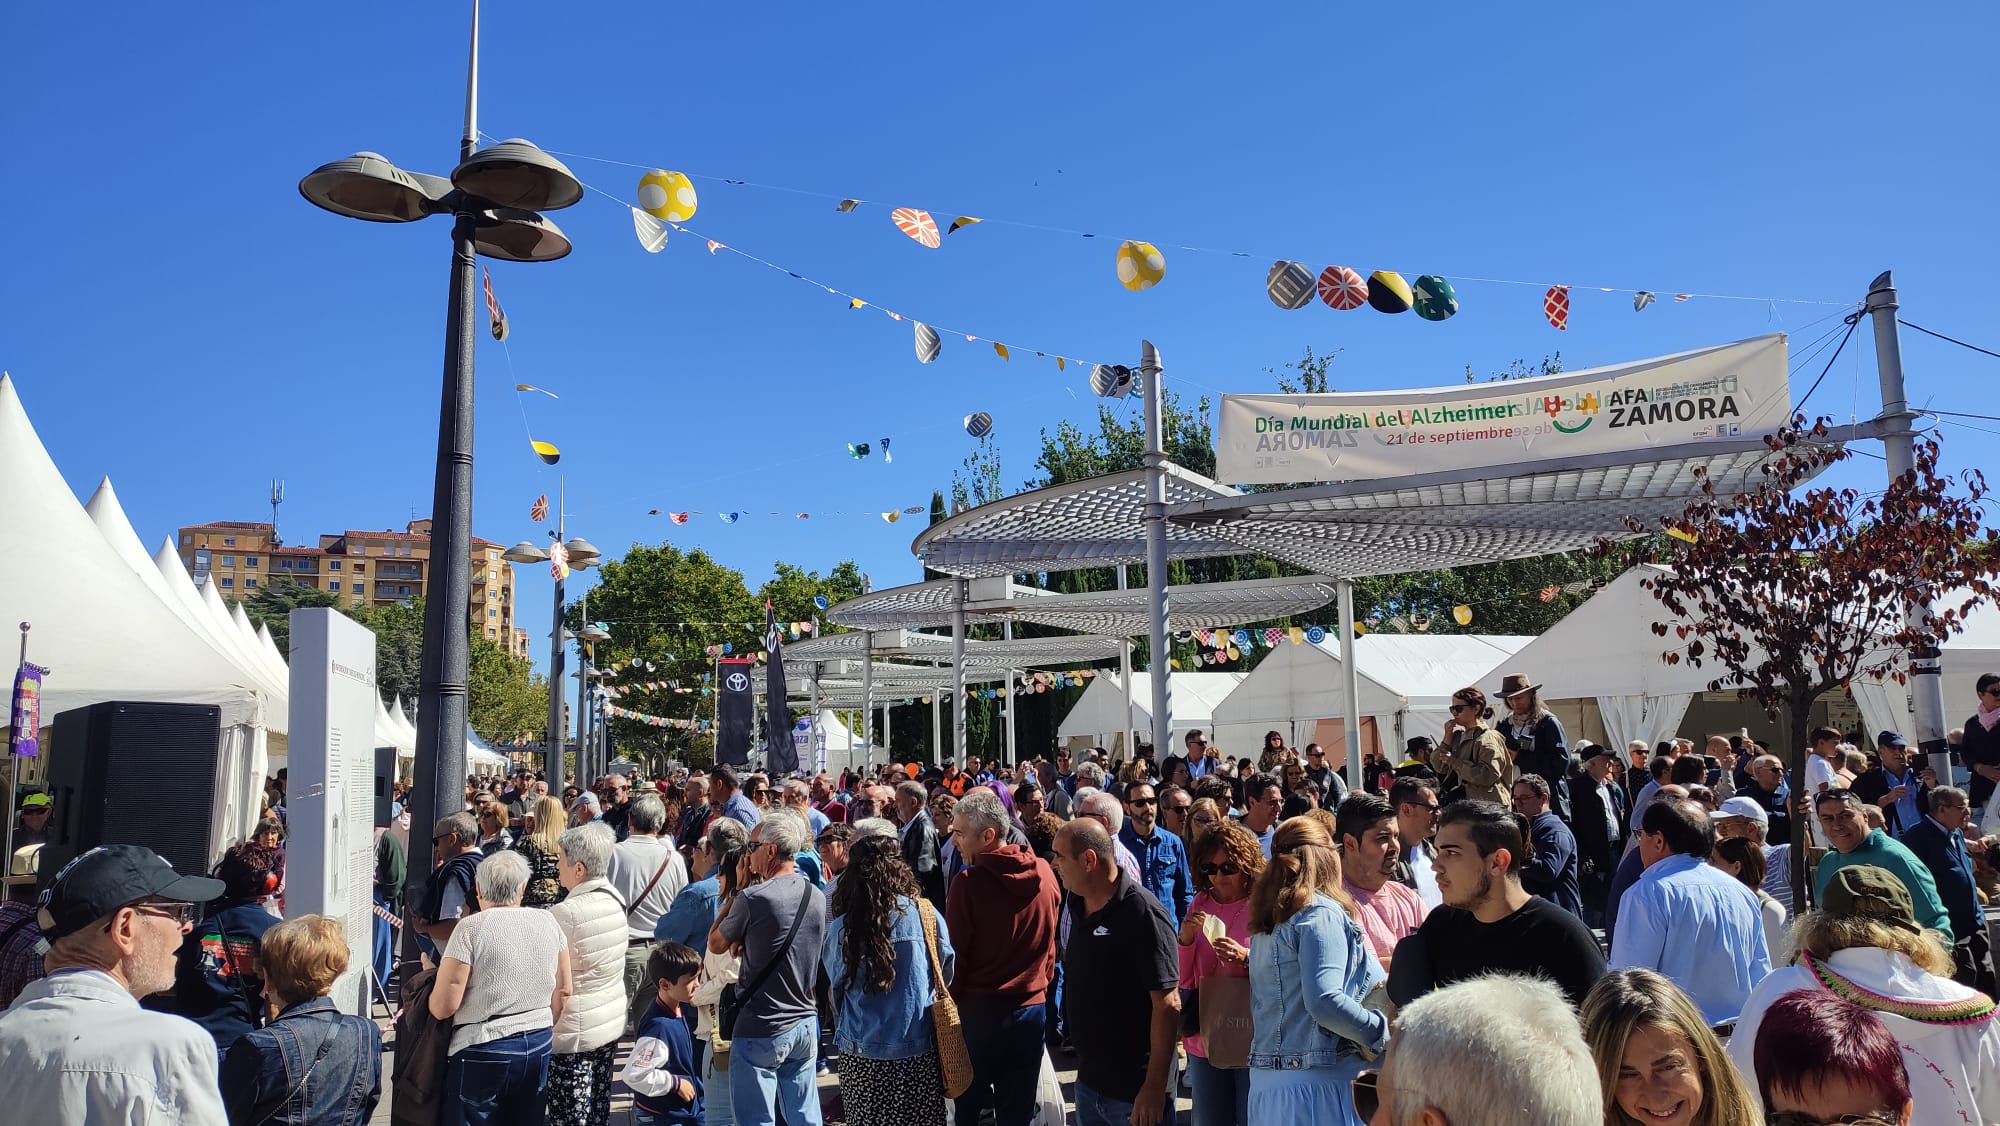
(1310, 967)
(876, 959)
(312, 1065)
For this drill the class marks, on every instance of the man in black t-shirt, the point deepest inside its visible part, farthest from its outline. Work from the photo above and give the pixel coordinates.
(1489, 922)
(1121, 972)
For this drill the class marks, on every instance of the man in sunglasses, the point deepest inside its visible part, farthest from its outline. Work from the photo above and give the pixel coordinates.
(76, 1047)
(1162, 857)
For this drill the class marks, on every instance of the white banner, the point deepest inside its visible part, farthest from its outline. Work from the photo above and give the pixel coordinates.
(1728, 391)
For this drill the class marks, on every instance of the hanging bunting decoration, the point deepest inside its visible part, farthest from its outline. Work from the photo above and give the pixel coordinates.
(1388, 292)
(1682, 296)
(857, 450)
(678, 517)
(1555, 307)
(1289, 285)
(1242, 638)
(714, 246)
(1272, 634)
(847, 205)
(1683, 535)
(539, 511)
(886, 459)
(730, 517)
(1298, 634)
(892, 516)
(1462, 614)
(532, 387)
(962, 221)
(1000, 350)
(1140, 265)
(979, 424)
(1111, 381)
(917, 224)
(558, 561)
(547, 452)
(1549, 593)
(1420, 622)
(820, 602)
(929, 343)
(1315, 635)
(493, 313)
(1341, 288)
(1641, 299)
(652, 233)
(1434, 298)
(856, 303)
(667, 195)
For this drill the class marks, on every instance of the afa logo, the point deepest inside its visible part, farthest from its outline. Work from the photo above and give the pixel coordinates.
(1587, 406)
(737, 682)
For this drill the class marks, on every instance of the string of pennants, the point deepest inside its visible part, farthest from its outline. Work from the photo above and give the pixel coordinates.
(698, 726)
(891, 515)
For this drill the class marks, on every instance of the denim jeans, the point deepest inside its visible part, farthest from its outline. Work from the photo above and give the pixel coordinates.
(1093, 1109)
(498, 1083)
(770, 1074)
(1006, 1050)
(384, 954)
(1221, 1094)
(718, 1105)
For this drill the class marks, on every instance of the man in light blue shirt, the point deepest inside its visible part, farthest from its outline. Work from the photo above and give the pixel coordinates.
(1692, 923)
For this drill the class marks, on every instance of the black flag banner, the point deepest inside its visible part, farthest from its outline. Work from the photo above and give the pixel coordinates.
(782, 756)
(734, 707)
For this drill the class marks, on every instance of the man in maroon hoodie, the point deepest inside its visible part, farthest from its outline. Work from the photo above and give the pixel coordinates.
(1002, 914)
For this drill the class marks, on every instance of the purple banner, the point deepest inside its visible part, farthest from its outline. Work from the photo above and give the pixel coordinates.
(24, 733)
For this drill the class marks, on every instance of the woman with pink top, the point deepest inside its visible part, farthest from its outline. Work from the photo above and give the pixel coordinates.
(1215, 943)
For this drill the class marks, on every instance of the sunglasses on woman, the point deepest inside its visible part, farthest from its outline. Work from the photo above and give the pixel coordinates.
(1226, 868)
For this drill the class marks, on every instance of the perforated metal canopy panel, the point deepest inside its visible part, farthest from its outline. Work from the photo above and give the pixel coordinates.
(1079, 524)
(1020, 653)
(1121, 613)
(1351, 529)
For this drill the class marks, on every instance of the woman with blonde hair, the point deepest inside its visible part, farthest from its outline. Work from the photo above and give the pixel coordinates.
(1865, 944)
(312, 1065)
(539, 847)
(1203, 815)
(1657, 1059)
(1310, 969)
(1226, 862)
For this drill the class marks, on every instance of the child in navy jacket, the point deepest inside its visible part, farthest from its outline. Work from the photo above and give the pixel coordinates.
(664, 1072)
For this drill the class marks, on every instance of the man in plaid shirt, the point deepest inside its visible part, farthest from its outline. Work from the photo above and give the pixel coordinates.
(20, 962)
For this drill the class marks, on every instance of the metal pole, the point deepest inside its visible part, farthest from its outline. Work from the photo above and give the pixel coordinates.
(867, 699)
(1350, 683)
(937, 730)
(553, 758)
(1156, 545)
(888, 736)
(441, 693)
(582, 711)
(958, 670)
(1900, 447)
(812, 727)
(1125, 674)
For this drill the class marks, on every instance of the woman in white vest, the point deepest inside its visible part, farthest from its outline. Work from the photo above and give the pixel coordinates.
(593, 923)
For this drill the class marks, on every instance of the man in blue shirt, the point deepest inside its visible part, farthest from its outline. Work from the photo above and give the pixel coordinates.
(1552, 871)
(1161, 855)
(1687, 920)
(693, 910)
(725, 796)
(1939, 841)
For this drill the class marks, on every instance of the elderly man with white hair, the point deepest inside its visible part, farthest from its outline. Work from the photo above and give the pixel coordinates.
(503, 985)
(1492, 1051)
(647, 873)
(923, 851)
(1110, 813)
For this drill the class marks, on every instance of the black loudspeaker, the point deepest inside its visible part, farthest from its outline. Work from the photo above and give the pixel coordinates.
(131, 773)
(385, 783)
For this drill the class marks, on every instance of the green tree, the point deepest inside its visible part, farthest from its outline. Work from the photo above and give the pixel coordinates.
(505, 699)
(272, 606)
(399, 645)
(792, 588)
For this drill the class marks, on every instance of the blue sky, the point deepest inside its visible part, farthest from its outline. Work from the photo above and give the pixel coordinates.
(176, 317)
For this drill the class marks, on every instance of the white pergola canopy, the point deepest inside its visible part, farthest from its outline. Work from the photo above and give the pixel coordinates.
(1119, 613)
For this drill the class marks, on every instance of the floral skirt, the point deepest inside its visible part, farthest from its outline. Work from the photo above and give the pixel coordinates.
(906, 1092)
(579, 1091)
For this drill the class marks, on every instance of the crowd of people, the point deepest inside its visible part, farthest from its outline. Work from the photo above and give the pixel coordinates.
(1501, 927)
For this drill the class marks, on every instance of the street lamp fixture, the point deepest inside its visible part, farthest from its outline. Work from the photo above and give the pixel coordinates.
(525, 552)
(582, 553)
(491, 198)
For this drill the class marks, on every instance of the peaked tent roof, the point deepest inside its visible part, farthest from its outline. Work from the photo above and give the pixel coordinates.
(1194, 697)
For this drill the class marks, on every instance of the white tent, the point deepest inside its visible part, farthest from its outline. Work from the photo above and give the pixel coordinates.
(1098, 718)
(837, 735)
(1607, 649)
(1405, 682)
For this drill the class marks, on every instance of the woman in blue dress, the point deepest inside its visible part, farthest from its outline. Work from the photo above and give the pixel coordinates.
(1310, 968)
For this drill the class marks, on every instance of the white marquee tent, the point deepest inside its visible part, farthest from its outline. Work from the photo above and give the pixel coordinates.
(1606, 649)
(1405, 682)
(1094, 720)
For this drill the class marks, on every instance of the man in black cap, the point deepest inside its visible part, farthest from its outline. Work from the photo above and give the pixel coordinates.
(76, 1047)
(1897, 787)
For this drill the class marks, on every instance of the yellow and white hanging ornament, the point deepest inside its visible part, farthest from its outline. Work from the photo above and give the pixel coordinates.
(667, 195)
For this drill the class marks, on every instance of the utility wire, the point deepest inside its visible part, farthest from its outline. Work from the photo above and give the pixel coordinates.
(1948, 339)
(1853, 319)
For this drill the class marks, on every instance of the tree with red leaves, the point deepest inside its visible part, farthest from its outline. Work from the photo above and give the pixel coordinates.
(1796, 590)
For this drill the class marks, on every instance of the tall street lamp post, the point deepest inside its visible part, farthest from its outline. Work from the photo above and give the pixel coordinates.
(578, 554)
(492, 198)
